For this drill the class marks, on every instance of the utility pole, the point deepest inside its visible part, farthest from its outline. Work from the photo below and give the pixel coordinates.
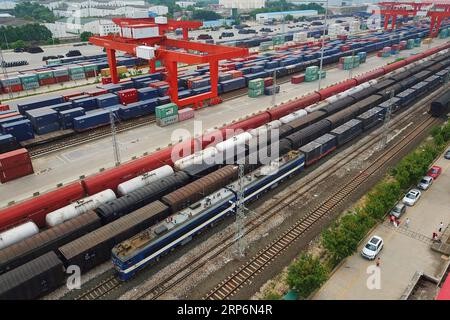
(116, 149)
(323, 45)
(387, 119)
(240, 214)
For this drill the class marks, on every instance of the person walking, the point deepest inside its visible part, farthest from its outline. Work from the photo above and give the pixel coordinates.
(407, 222)
(378, 262)
(441, 225)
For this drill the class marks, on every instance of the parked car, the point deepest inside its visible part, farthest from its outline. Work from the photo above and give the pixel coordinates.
(425, 183)
(372, 248)
(19, 50)
(73, 53)
(398, 210)
(434, 172)
(447, 155)
(204, 36)
(411, 197)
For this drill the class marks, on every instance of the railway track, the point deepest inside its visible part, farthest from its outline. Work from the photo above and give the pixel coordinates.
(233, 283)
(103, 288)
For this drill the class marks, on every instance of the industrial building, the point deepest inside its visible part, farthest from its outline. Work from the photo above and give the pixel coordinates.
(262, 17)
(243, 4)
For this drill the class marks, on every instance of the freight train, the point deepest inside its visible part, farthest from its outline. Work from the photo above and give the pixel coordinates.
(37, 208)
(87, 240)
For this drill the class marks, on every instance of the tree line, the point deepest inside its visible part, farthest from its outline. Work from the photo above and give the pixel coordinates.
(29, 33)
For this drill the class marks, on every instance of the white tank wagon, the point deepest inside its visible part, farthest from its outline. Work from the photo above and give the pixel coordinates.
(293, 116)
(79, 207)
(207, 155)
(230, 144)
(144, 180)
(18, 233)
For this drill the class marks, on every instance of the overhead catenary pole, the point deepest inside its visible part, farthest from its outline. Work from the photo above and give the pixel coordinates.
(116, 148)
(274, 86)
(387, 119)
(240, 214)
(323, 45)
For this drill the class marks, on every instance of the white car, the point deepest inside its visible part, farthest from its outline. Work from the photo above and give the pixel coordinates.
(372, 248)
(411, 197)
(425, 183)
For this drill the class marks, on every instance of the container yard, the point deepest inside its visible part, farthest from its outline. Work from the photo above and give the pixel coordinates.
(208, 172)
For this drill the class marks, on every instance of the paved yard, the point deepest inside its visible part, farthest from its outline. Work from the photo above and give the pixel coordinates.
(406, 251)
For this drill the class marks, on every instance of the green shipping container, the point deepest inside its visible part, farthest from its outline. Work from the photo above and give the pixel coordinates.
(256, 83)
(45, 75)
(310, 78)
(76, 70)
(166, 110)
(313, 70)
(90, 67)
(162, 122)
(322, 74)
(25, 79)
(253, 93)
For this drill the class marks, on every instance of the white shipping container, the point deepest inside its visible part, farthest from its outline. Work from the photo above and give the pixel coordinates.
(161, 20)
(79, 207)
(145, 52)
(144, 180)
(147, 32)
(18, 233)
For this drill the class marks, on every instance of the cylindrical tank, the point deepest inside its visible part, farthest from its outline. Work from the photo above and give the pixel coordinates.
(316, 106)
(204, 156)
(17, 234)
(79, 207)
(144, 180)
(275, 124)
(293, 116)
(228, 145)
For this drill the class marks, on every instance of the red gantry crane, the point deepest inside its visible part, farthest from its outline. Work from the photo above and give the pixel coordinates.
(145, 38)
(436, 10)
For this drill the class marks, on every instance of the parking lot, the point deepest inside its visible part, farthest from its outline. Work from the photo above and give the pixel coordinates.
(406, 250)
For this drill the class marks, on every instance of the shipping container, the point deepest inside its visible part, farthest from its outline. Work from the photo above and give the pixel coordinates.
(66, 117)
(22, 130)
(107, 100)
(94, 119)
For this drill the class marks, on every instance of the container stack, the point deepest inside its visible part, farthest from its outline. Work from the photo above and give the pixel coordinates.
(269, 91)
(356, 61)
(403, 44)
(265, 46)
(15, 164)
(312, 73)
(46, 77)
(90, 70)
(61, 74)
(410, 44)
(362, 57)
(12, 85)
(355, 26)
(386, 52)
(77, 73)
(185, 114)
(417, 42)
(29, 81)
(166, 114)
(278, 40)
(44, 120)
(106, 72)
(66, 117)
(300, 37)
(256, 88)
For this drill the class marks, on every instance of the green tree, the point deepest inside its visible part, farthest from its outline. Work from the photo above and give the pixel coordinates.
(33, 11)
(18, 44)
(205, 15)
(84, 36)
(305, 275)
(289, 17)
(272, 296)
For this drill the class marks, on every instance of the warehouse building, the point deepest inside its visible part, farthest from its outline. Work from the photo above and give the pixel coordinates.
(243, 4)
(262, 17)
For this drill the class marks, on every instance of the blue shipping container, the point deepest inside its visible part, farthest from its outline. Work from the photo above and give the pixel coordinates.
(21, 130)
(47, 128)
(147, 93)
(87, 104)
(107, 100)
(11, 119)
(66, 117)
(42, 117)
(22, 107)
(94, 119)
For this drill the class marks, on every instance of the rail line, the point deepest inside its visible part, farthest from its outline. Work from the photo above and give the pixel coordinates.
(104, 288)
(233, 283)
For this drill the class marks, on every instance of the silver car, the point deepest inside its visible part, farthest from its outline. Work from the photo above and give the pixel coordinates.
(398, 210)
(425, 183)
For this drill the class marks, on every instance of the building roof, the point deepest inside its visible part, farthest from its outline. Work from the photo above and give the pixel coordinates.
(289, 12)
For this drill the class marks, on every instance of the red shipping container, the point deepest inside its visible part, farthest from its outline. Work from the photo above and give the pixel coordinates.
(158, 84)
(4, 107)
(268, 82)
(128, 96)
(16, 172)
(106, 80)
(298, 79)
(96, 92)
(62, 79)
(46, 82)
(236, 73)
(9, 115)
(185, 114)
(379, 54)
(13, 88)
(345, 48)
(90, 74)
(190, 81)
(14, 158)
